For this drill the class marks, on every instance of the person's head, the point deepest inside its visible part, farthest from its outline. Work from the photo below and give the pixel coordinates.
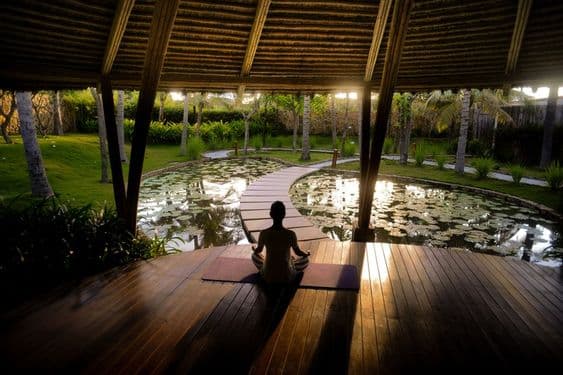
(277, 211)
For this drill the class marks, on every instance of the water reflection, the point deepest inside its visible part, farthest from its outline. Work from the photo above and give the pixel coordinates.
(418, 213)
(197, 206)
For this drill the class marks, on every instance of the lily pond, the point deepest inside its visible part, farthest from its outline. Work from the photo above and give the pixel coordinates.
(197, 206)
(419, 213)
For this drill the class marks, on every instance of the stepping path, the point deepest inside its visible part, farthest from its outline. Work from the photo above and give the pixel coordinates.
(255, 205)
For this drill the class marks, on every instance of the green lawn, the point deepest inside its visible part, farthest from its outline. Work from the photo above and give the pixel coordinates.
(537, 194)
(73, 167)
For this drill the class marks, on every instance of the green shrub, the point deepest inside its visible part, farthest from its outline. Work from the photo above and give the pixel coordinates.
(419, 155)
(388, 146)
(88, 125)
(349, 149)
(477, 148)
(49, 240)
(483, 166)
(440, 160)
(256, 142)
(195, 148)
(554, 175)
(517, 172)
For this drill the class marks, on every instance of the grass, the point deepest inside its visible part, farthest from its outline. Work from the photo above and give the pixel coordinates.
(542, 195)
(293, 157)
(72, 163)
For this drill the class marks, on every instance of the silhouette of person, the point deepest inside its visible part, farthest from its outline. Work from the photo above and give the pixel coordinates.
(279, 266)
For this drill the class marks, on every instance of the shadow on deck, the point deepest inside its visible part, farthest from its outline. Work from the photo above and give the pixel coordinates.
(417, 308)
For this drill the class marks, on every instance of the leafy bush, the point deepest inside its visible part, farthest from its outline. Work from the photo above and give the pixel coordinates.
(349, 149)
(419, 155)
(195, 148)
(388, 146)
(440, 160)
(517, 172)
(483, 166)
(554, 175)
(50, 240)
(256, 142)
(87, 125)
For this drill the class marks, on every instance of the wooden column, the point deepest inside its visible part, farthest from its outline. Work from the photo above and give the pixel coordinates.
(397, 34)
(365, 138)
(113, 146)
(159, 35)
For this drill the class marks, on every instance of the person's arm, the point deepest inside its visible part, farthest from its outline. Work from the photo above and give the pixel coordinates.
(295, 246)
(258, 249)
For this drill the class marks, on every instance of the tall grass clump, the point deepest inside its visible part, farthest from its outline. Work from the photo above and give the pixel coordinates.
(554, 175)
(419, 155)
(52, 241)
(517, 172)
(440, 161)
(483, 166)
(349, 149)
(256, 142)
(388, 146)
(195, 148)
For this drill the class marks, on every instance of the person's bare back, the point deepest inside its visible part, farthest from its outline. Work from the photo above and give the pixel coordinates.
(279, 266)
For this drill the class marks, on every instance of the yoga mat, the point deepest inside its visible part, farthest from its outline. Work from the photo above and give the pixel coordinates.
(316, 275)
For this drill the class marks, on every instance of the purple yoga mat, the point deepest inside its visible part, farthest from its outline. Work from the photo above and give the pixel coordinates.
(316, 275)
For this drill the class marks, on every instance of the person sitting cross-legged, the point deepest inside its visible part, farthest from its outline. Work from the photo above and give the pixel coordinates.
(279, 267)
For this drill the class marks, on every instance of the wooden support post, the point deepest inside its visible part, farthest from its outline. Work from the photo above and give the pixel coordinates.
(113, 146)
(159, 35)
(397, 33)
(334, 158)
(365, 144)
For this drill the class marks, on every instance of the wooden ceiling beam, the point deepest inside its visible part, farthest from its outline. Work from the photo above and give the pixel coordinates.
(122, 13)
(522, 15)
(254, 37)
(378, 32)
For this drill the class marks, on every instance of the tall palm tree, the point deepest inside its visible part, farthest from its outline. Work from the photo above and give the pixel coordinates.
(548, 126)
(462, 140)
(40, 186)
(185, 124)
(333, 120)
(305, 148)
(104, 154)
(294, 105)
(57, 114)
(119, 120)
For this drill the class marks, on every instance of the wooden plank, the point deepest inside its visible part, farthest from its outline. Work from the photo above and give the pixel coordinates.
(265, 214)
(253, 206)
(254, 37)
(303, 234)
(378, 31)
(161, 28)
(249, 198)
(120, 19)
(520, 23)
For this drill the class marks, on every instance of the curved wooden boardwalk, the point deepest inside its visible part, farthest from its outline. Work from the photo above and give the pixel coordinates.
(255, 205)
(418, 309)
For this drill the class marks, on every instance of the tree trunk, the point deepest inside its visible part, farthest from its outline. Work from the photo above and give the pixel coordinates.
(346, 119)
(493, 143)
(57, 114)
(548, 127)
(199, 115)
(305, 148)
(246, 133)
(162, 99)
(39, 184)
(295, 128)
(104, 155)
(119, 120)
(333, 121)
(185, 123)
(7, 116)
(462, 141)
(360, 101)
(406, 128)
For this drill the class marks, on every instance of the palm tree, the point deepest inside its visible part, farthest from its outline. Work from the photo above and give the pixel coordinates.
(305, 148)
(119, 120)
(57, 114)
(40, 186)
(162, 99)
(185, 124)
(104, 155)
(548, 126)
(294, 105)
(462, 140)
(403, 104)
(248, 110)
(333, 121)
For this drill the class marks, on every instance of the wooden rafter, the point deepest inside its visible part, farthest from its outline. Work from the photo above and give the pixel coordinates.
(254, 37)
(159, 36)
(118, 26)
(378, 31)
(522, 16)
(368, 175)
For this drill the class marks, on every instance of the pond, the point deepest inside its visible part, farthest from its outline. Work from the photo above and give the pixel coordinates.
(422, 214)
(197, 206)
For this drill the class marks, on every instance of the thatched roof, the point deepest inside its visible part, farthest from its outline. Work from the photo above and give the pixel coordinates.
(291, 45)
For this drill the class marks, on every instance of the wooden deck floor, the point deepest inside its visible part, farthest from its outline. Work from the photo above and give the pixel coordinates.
(417, 309)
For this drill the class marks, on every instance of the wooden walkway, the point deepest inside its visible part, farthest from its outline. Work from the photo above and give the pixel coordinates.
(255, 205)
(418, 309)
